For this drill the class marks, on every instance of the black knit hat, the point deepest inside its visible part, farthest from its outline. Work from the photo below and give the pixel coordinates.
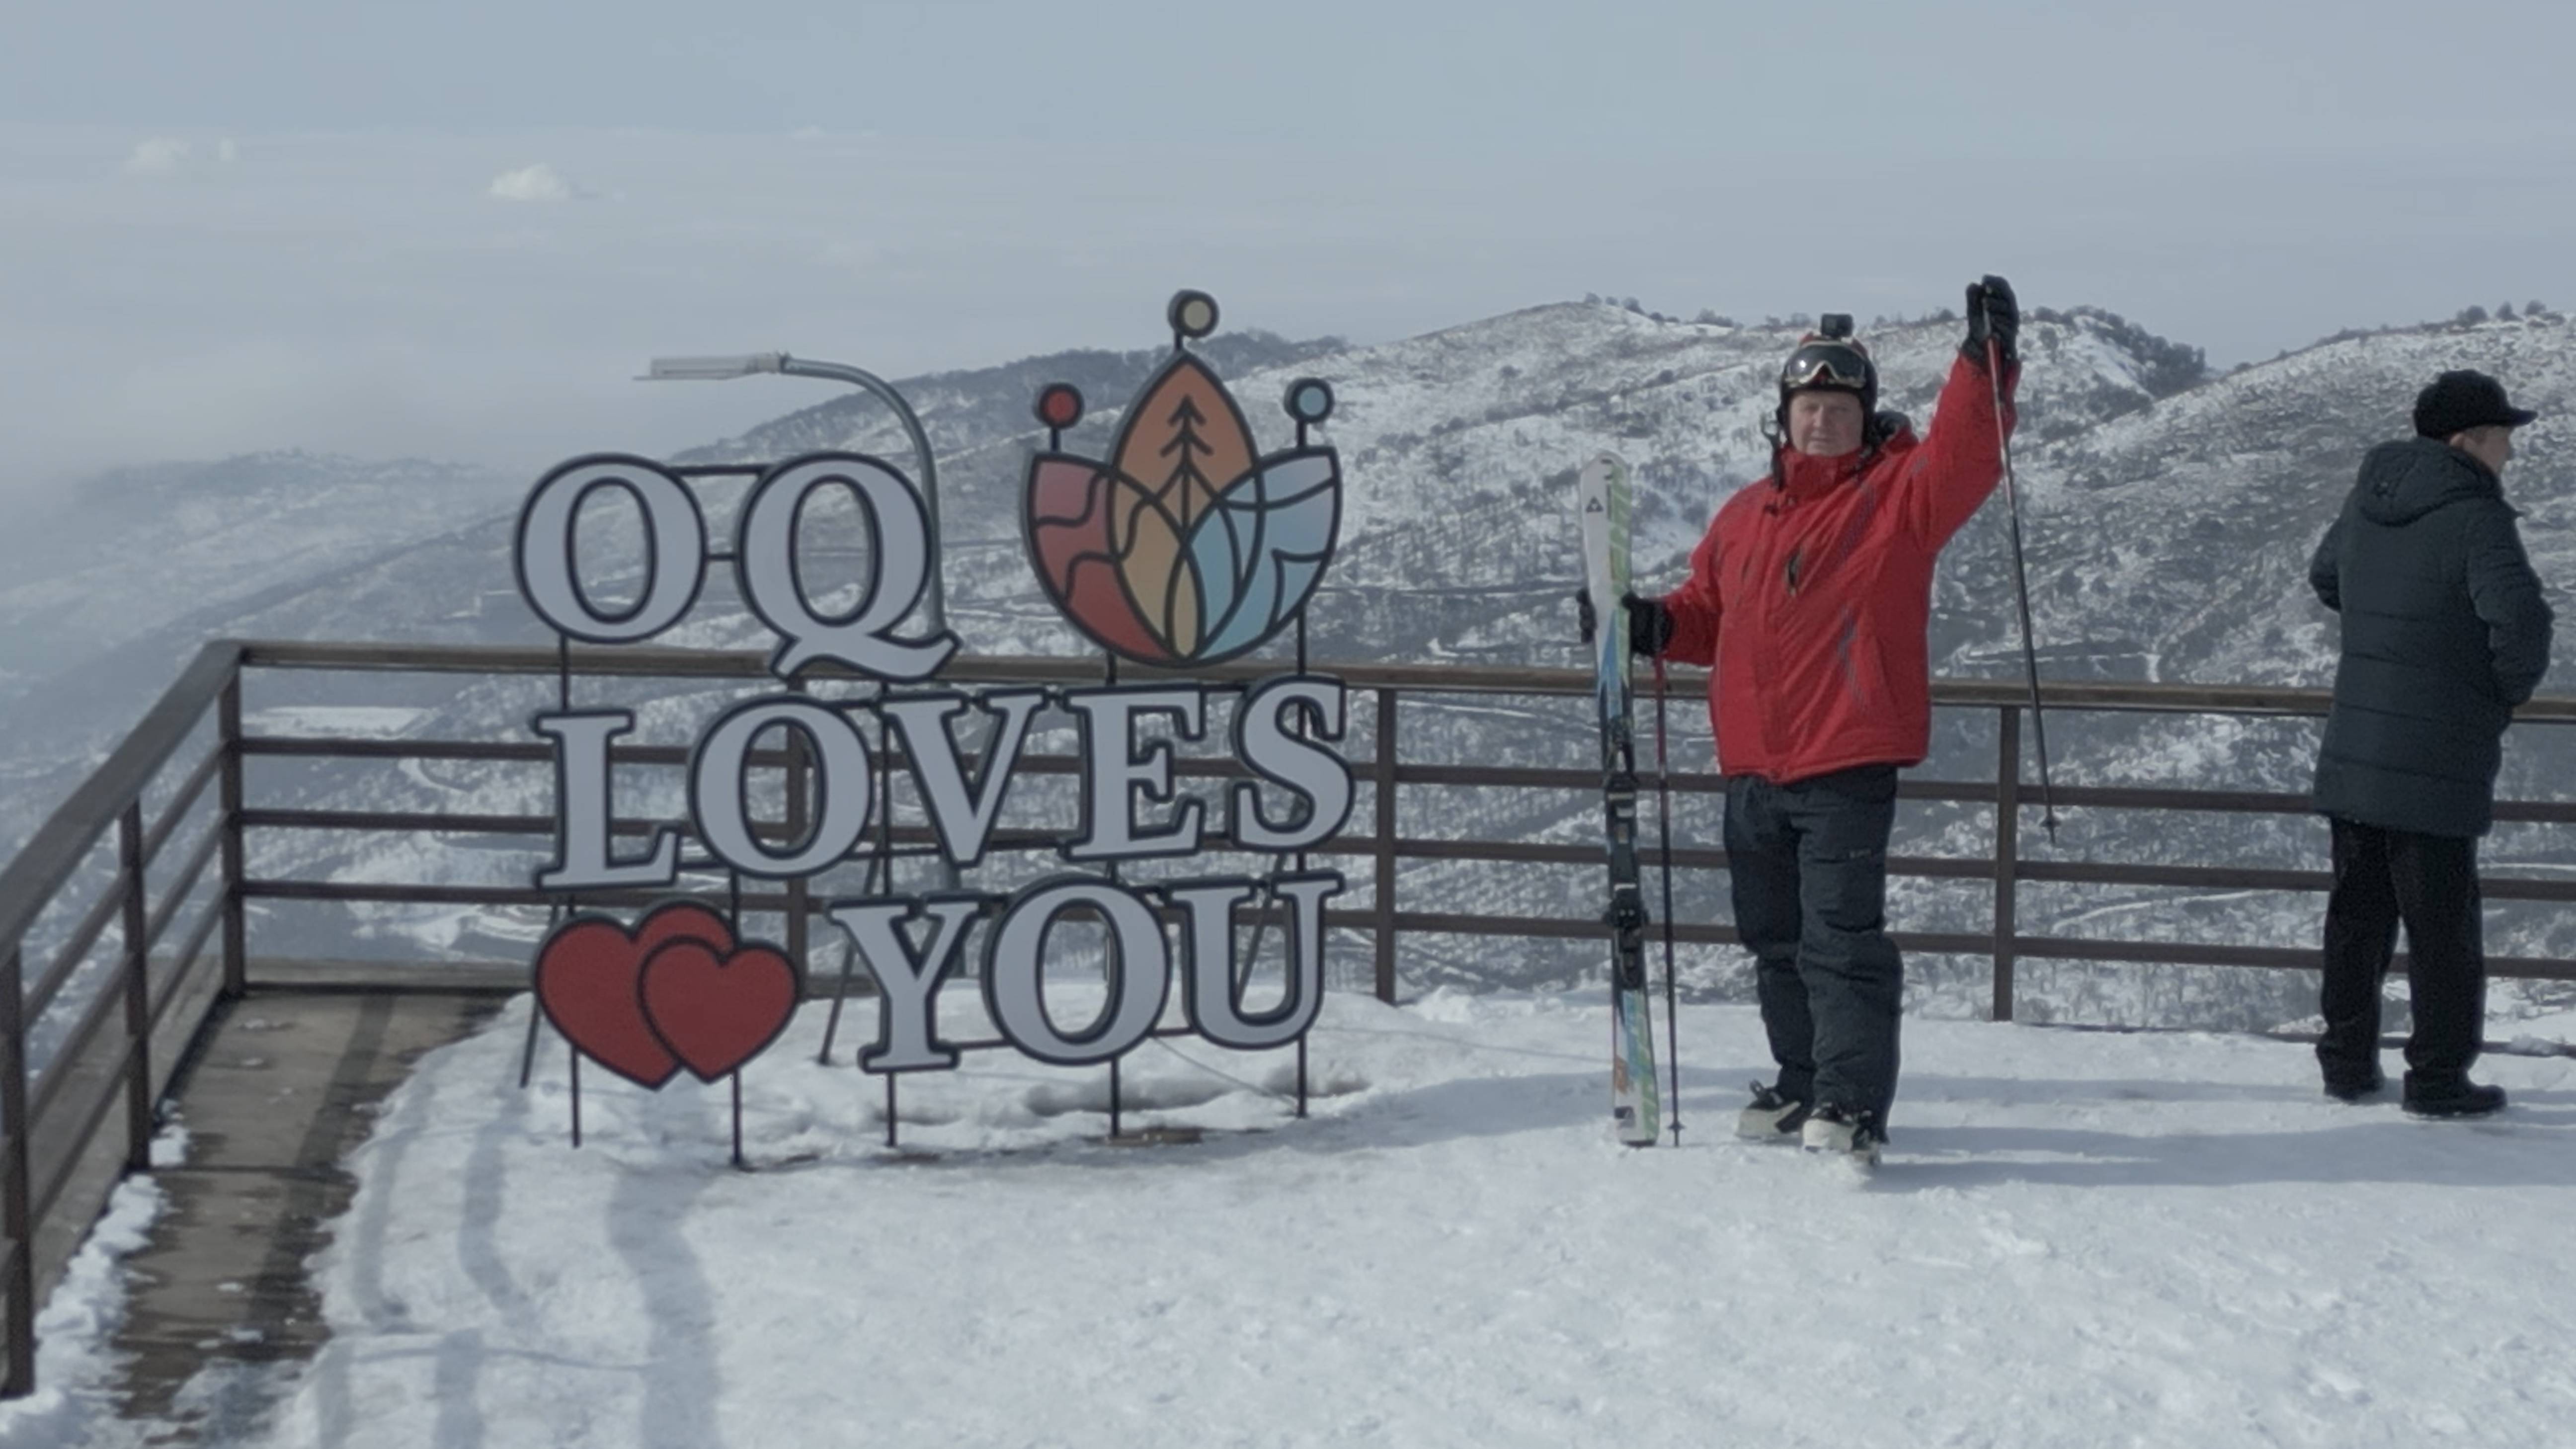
(2459, 401)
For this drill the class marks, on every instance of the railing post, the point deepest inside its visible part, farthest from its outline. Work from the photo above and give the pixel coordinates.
(16, 1215)
(228, 714)
(1382, 771)
(2007, 853)
(138, 1007)
(797, 890)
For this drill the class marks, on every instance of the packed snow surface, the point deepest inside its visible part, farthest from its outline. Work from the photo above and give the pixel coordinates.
(2078, 1238)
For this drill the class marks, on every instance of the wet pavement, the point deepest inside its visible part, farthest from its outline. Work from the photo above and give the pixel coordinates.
(287, 1082)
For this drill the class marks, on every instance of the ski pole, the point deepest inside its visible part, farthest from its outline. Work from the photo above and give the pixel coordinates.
(1664, 828)
(2021, 581)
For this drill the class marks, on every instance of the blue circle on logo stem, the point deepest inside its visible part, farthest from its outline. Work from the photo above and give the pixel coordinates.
(1310, 400)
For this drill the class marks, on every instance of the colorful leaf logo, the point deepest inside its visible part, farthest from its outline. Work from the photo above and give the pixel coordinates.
(1186, 547)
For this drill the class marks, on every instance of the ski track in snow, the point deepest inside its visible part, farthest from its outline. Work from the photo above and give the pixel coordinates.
(2077, 1239)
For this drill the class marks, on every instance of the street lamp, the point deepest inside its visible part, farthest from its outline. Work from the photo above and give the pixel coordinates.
(716, 369)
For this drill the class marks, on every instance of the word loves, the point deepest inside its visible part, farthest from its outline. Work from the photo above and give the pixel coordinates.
(1201, 561)
(1128, 812)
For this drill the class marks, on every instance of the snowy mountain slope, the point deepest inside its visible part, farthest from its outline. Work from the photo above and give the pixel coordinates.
(140, 549)
(1460, 448)
(2178, 537)
(2168, 512)
(2172, 544)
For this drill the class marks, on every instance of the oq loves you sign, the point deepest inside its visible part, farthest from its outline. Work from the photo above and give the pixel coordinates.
(1184, 546)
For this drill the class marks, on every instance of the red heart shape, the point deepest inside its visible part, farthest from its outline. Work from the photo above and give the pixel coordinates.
(717, 1011)
(589, 984)
(681, 921)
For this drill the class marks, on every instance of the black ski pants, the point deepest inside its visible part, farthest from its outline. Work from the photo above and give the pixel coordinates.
(2383, 878)
(1808, 864)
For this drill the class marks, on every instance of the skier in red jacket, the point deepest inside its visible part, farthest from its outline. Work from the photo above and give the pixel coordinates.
(1809, 600)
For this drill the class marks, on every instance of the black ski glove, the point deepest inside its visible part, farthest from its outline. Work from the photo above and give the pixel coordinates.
(1992, 312)
(1650, 625)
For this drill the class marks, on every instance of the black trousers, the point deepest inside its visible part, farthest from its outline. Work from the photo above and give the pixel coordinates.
(1808, 866)
(2429, 883)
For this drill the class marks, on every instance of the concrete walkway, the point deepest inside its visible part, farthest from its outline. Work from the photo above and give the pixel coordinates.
(286, 1083)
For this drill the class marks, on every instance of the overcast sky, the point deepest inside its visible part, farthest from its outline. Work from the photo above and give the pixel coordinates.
(457, 229)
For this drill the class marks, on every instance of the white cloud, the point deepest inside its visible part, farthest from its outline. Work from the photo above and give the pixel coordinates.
(539, 182)
(176, 155)
(158, 156)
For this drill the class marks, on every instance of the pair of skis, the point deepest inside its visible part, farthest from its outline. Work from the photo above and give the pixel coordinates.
(1636, 1113)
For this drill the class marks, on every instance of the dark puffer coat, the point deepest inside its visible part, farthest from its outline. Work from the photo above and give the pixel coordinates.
(2444, 632)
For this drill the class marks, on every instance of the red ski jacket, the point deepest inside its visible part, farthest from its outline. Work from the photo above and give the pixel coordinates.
(1811, 595)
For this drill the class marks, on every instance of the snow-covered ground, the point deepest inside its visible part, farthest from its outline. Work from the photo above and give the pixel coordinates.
(2077, 1239)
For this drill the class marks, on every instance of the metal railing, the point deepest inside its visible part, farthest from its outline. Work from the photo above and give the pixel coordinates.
(124, 1023)
(127, 1028)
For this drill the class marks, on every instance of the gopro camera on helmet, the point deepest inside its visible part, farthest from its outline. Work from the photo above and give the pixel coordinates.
(1834, 325)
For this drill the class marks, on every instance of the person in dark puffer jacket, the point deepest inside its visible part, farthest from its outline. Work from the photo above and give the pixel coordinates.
(2444, 632)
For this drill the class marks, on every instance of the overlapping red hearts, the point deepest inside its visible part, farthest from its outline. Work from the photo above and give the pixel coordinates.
(674, 992)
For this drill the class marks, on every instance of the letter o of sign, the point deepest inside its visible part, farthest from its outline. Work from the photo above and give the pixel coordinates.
(1140, 978)
(675, 549)
(843, 785)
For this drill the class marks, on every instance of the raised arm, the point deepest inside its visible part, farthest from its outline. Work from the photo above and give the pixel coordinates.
(1961, 459)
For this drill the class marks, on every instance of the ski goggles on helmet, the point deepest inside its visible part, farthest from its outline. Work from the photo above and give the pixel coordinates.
(1826, 364)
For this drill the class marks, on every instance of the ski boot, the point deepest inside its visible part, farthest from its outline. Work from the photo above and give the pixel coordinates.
(1842, 1132)
(2450, 1097)
(1771, 1117)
